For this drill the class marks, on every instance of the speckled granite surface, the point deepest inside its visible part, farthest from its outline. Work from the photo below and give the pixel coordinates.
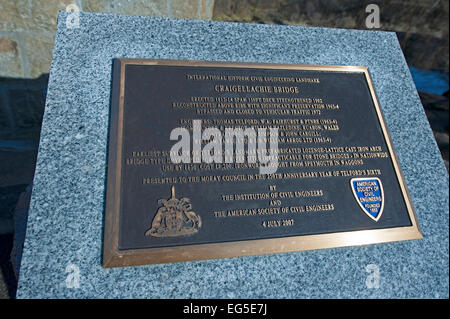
(66, 215)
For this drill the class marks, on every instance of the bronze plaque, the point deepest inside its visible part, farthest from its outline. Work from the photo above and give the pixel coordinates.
(333, 178)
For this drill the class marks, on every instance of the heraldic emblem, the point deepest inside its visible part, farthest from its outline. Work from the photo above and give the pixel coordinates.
(369, 194)
(174, 218)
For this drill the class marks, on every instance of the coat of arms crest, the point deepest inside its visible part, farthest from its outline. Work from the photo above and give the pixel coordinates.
(174, 218)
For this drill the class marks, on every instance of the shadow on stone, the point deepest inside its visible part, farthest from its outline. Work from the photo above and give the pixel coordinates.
(8, 281)
(22, 104)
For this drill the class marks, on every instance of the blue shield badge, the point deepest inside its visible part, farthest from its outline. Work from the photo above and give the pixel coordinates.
(369, 194)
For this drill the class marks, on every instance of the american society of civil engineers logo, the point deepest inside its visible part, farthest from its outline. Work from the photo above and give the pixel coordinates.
(369, 194)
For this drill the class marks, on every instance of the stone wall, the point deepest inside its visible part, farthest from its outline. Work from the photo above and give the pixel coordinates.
(27, 27)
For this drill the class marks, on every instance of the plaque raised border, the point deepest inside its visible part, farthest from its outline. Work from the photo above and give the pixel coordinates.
(114, 257)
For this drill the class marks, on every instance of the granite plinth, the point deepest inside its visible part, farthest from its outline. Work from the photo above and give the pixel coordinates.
(65, 223)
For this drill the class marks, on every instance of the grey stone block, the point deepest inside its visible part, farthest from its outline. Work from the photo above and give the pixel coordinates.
(65, 222)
